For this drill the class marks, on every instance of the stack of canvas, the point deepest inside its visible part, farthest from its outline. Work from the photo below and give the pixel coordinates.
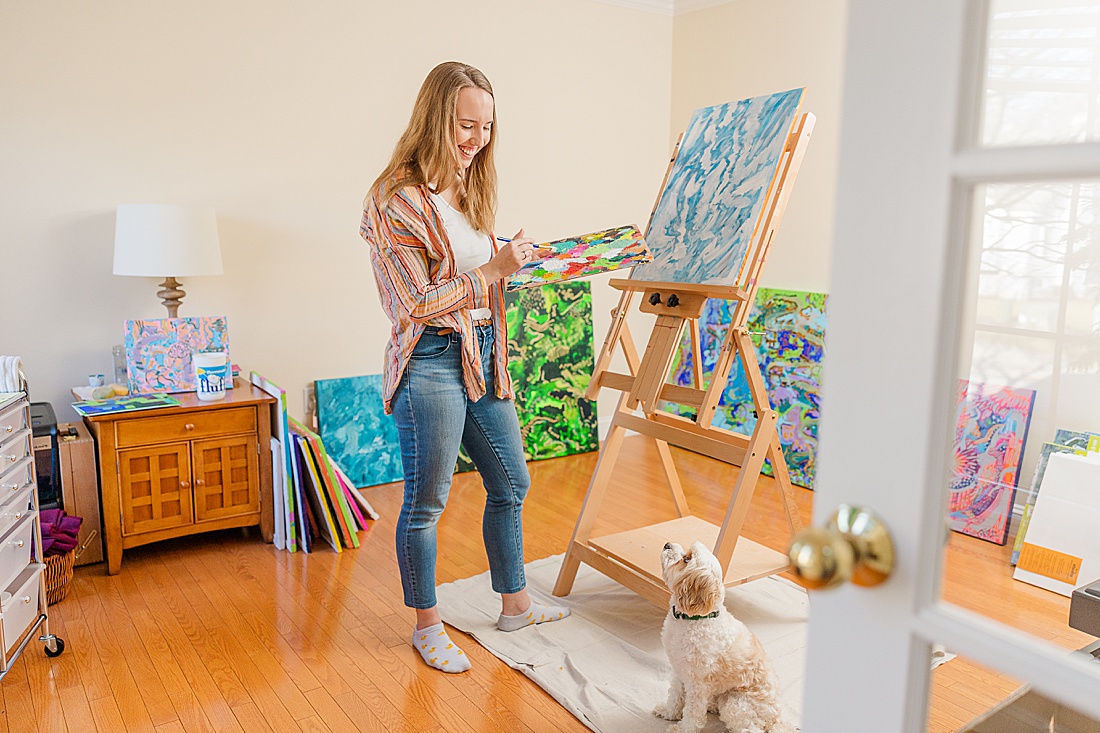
(313, 497)
(1062, 548)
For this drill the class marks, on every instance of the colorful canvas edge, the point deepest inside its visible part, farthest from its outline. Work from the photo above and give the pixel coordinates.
(282, 430)
(327, 526)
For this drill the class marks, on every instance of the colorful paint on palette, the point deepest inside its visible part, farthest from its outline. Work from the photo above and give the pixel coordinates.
(550, 359)
(357, 433)
(990, 432)
(159, 352)
(704, 221)
(790, 355)
(591, 254)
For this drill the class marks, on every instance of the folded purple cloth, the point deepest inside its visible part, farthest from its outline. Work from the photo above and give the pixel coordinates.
(51, 516)
(47, 547)
(58, 547)
(71, 525)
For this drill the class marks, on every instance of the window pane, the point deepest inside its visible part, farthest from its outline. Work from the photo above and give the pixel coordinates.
(970, 698)
(1042, 83)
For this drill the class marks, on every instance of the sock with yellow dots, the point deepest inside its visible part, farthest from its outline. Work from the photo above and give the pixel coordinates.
(438, 650)
(536, 614)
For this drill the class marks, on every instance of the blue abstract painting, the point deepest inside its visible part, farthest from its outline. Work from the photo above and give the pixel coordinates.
(790, 352)
(356, 431)
(703, 224)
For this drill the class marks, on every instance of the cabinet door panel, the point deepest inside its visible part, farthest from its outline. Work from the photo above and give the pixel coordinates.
(226, 477)
(154, 484)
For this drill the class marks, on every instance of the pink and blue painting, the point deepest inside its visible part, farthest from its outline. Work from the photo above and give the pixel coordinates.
(358, 434)
(991, 425)
(159, 353)
(704, 221)
(791, 347)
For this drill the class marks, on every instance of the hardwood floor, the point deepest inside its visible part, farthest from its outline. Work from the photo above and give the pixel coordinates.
(221, 632)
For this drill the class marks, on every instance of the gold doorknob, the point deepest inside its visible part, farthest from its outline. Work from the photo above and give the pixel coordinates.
(853, 545)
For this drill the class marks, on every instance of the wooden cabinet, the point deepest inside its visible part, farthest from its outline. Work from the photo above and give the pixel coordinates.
(176, 471)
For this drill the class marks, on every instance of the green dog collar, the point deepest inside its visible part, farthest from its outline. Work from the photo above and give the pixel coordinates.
(685, 617)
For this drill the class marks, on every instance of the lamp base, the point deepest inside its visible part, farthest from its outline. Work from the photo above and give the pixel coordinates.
(171, 294)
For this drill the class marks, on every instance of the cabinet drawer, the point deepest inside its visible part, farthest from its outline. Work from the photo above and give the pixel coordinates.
(19, 604)
(15, 450)
(15, 548)
(14, 476)
(148, 430)
(12, 420)
(16, 506)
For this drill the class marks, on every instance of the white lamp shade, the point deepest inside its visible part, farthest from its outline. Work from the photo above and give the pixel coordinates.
(160, 240)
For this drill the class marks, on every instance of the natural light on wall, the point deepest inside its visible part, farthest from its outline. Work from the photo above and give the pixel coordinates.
(1036, 297)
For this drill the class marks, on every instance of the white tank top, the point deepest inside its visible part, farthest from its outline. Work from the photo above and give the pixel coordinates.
(471, 248)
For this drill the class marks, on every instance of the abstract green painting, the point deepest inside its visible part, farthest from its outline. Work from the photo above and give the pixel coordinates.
(550, 359)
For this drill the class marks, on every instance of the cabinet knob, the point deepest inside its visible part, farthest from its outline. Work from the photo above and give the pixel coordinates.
(189, 426)
(17, 544)
(13, 487)
(9, 428)
(25, 599)
(200, 482)
(12, 457)
(185, 484)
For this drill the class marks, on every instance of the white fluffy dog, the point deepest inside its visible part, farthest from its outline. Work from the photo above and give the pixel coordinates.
(717, 663)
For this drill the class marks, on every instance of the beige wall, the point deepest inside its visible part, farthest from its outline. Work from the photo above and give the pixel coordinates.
(279, 115)
(747, 48)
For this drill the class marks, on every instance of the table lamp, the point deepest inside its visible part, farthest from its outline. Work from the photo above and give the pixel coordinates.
(168, 241)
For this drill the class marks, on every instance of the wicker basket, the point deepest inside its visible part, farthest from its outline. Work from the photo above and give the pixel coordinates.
(59, 573)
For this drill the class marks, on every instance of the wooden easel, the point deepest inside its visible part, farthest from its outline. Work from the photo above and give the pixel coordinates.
(633, 557)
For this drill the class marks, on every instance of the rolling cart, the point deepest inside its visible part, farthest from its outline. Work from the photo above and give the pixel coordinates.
(24, 614)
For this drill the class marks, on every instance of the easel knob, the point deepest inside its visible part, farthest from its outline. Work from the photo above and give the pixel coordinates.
(672, 301)
(655, 299)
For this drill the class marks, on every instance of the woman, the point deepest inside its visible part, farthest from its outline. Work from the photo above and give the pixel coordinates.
(428, 220)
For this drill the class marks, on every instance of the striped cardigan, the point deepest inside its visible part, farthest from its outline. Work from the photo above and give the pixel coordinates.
(418, 286)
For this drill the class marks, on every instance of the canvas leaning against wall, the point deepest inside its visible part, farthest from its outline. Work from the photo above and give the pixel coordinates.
(788, 328)
(550, 360)
(991, 426)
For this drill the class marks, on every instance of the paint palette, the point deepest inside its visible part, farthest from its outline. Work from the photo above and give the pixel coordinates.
(589, 254)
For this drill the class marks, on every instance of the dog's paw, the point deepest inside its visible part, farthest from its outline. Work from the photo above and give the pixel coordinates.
(662, 711)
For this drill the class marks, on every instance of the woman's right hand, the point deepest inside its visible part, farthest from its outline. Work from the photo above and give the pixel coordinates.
(510, 257)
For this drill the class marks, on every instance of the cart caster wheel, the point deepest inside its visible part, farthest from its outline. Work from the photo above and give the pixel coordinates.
(60, 648)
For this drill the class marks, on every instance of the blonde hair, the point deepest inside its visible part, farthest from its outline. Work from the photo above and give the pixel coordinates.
(427, 150)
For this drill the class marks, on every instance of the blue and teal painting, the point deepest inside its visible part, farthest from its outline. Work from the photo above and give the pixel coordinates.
(703, 224)
(356, 431)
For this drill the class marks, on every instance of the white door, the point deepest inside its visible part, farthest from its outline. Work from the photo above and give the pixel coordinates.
(912, 161)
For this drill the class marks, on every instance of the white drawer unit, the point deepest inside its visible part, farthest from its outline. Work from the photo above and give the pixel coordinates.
(24, 615)
(19, 505)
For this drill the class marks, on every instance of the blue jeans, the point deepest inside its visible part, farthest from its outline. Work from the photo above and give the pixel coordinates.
(434, 416)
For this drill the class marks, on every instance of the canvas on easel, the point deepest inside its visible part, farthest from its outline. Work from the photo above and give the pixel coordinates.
(711, 229)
